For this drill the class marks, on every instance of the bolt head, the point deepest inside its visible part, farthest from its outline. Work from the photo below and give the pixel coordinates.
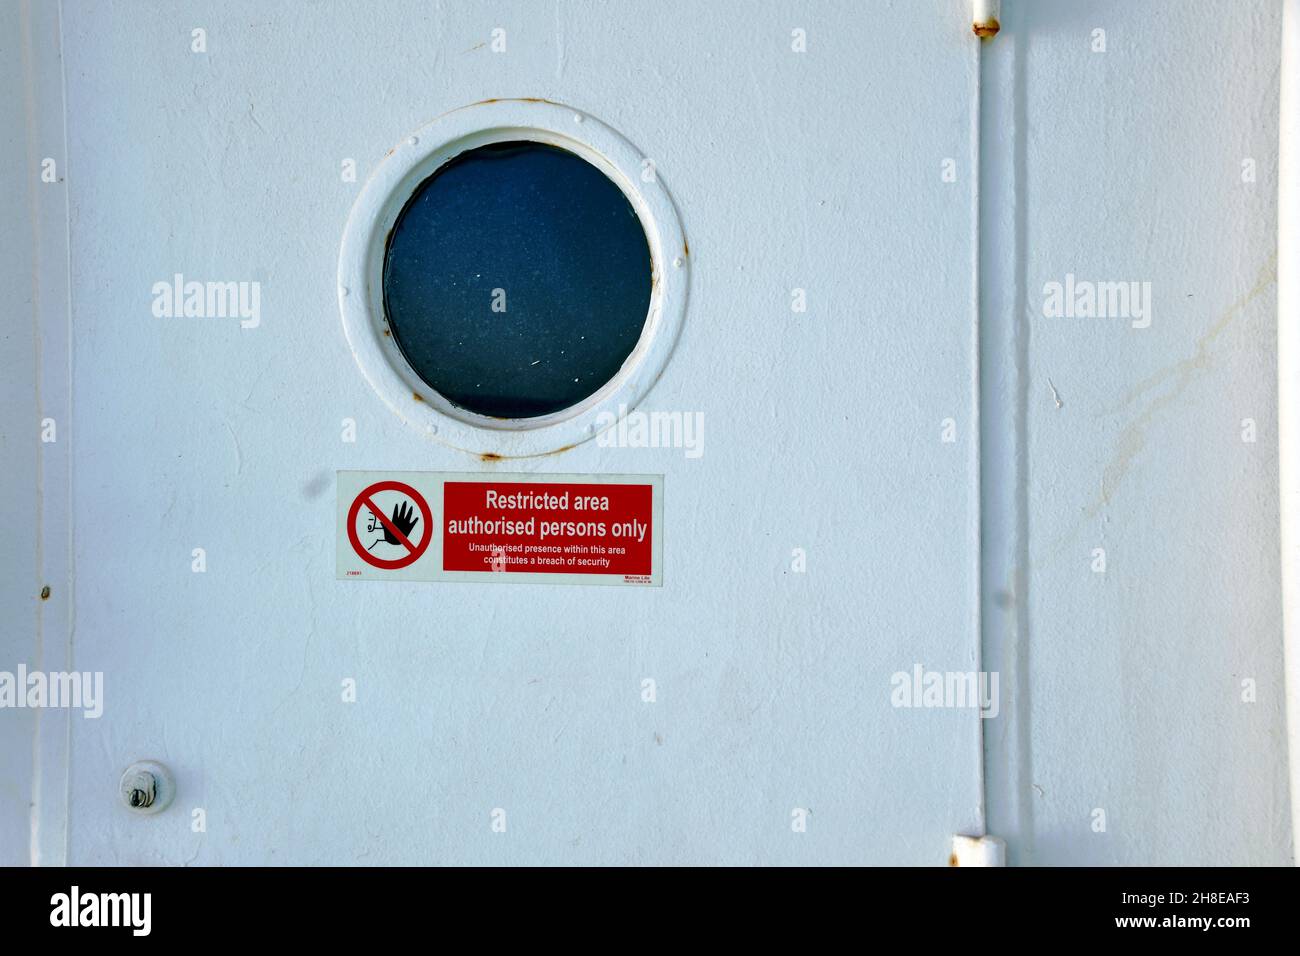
(146, 787)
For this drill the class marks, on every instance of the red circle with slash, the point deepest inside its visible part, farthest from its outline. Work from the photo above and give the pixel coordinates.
(414, 551)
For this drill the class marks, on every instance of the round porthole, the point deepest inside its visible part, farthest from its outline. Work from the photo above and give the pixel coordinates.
(513, 277)
(517, 280)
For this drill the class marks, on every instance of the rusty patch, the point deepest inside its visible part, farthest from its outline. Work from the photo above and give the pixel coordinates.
(417, 396)
(987, 29)
(45, 593)
(952, 860)
(686, 247)
(493, 456)
(517, 99)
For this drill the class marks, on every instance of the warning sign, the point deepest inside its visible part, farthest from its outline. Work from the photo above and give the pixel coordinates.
(397, 529)
(569, 529)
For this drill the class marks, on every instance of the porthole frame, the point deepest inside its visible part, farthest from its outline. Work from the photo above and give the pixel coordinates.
(365, 240)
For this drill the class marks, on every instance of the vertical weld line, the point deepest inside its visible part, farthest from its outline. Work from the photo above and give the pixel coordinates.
(69, 431)
(38, 647)
(994, 376)
(1021, 331)
(1004, 343)
(977, 425)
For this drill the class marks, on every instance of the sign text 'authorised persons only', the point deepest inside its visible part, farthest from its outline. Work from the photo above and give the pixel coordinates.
(564, 529)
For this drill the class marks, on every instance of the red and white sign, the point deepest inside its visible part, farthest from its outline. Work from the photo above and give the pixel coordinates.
(548, 527)
(557, 529)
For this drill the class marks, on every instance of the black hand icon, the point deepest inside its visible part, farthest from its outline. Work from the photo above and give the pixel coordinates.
(404, 519)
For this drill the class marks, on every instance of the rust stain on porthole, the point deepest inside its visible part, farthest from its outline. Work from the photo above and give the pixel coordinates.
(517, 99)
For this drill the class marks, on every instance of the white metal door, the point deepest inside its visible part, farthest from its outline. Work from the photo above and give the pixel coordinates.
(824, 540)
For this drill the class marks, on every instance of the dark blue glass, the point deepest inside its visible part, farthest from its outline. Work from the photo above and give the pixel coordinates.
(517, 280)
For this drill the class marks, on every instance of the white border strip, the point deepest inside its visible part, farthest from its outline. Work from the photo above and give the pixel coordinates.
(51, 802)
(1288, 381)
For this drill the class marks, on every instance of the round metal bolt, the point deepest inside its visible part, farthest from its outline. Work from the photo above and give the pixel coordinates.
(147, 787)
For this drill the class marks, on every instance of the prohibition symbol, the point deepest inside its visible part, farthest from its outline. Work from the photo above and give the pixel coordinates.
(398, 528)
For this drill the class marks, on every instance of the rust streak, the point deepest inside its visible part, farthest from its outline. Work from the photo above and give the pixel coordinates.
(516, 99)
(494, 456)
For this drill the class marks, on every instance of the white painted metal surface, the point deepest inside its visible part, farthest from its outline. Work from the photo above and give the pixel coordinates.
(1135, 143)
(912, 476)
